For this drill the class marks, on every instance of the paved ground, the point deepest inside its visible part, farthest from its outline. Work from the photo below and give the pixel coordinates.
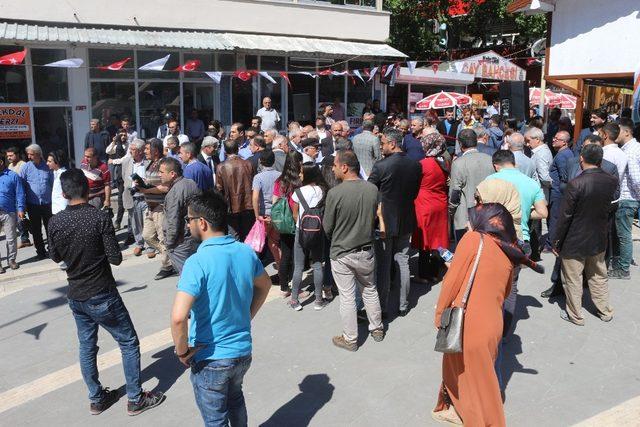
(558, 374)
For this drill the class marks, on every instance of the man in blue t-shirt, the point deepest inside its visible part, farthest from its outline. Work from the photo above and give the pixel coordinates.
(223, 285)
(533, 206)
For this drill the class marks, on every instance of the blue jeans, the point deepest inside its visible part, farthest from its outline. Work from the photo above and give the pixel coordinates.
(217, 385)
(106, 310)
(624, 221)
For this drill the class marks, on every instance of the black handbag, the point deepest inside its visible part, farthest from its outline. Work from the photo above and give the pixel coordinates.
(449, 338)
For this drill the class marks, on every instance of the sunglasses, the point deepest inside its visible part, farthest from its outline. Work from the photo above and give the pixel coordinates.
(188, 218)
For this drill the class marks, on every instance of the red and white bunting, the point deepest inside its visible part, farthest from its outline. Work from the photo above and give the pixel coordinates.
(116, 66)
(15, 58)
(157, 65)
(191, 65)
(267, 76)
(372, 73)
(66, 63)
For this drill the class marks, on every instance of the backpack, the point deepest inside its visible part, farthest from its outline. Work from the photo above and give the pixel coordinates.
(310, 230)
(282, 218)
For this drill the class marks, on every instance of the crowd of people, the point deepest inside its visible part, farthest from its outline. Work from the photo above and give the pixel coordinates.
(352, 205)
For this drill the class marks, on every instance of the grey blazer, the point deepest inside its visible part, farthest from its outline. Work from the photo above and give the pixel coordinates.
(467, 171)
(127, 171)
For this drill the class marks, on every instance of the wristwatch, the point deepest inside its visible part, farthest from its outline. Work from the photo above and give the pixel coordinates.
(181, 355)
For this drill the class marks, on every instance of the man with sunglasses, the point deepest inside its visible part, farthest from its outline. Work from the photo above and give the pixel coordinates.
(222, 297)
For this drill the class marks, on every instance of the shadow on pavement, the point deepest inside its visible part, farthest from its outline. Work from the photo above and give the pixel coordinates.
(166, 368)
(315, 391)
(510, 363)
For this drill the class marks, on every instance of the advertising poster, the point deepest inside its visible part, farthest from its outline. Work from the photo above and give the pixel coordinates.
(15, 123)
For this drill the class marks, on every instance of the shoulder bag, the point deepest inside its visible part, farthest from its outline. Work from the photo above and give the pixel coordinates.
(449, 339)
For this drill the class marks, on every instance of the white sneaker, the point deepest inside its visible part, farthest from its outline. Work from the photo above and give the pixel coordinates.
(319, 305)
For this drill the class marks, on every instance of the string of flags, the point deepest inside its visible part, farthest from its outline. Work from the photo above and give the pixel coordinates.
(193, 65)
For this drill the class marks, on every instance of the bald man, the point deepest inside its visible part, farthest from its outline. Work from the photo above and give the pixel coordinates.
(269, 115)
(524, 164)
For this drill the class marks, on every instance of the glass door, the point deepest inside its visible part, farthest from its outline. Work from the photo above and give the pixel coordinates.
(54, 131)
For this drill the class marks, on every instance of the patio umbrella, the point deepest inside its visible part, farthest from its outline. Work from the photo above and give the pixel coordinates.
(550, 98)
(443, 100)
(567, 102)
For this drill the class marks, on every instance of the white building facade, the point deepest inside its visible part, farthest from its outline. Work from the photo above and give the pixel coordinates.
(225, 36)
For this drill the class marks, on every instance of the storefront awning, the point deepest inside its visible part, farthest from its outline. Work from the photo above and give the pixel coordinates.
(196, 40)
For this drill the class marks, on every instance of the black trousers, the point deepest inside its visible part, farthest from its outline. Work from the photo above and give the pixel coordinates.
(241, 223)
(120, 213)
(430, 265)
(285, 272)
(39, 215)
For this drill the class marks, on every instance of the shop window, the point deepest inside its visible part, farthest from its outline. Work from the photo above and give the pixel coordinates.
(110, 101)
(54, 130)
(49, 83)
(272, 63)
(199, 97)
(106, 57)
(242, 96)
(302, 94)
(226, 62)
(13, 82)
(331, 90)
(146, 56)
(359, 93)
(156, 99)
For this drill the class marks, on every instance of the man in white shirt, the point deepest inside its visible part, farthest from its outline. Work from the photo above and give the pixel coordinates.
(629, 203)
(174, 130)
(270, 117)
(494, 108)
(609, 134)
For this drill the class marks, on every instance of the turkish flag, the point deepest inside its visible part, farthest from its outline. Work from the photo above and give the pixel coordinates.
(244, 75)
(116, 65)
(191, 65)
(13, 58)
(326, 72)
(285, 76)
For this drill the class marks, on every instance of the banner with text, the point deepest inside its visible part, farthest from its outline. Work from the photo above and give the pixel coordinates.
(15, 123)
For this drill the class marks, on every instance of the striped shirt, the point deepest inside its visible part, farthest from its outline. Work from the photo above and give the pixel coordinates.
(152, 177)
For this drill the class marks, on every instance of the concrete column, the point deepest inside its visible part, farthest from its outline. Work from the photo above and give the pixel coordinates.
(80, 99)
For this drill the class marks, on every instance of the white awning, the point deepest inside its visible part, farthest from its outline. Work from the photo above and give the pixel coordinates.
(426, 76)
(192, 40)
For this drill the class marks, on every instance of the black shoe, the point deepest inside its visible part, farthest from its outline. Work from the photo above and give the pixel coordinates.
(41, 256)
(551, 292)
(2, 270)
(109, 397)
(403, 313)
(148, 400)
(130, 241)
(163, 274)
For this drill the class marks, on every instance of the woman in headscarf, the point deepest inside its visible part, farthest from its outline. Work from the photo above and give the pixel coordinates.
(432, 229)
(470, 392)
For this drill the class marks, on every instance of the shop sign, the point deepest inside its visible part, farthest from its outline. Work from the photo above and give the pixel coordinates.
(488, 65)
(354, 121)
(15, 123)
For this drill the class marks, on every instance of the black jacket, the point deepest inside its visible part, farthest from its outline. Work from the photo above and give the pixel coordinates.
(398, 180)
(327, 145)
(583, 224)
(574, 169)
(450, 137)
